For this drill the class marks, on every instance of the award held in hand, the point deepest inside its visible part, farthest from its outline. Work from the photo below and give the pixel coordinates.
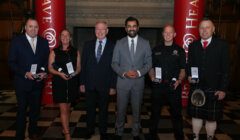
(158, 75)
(194, 75)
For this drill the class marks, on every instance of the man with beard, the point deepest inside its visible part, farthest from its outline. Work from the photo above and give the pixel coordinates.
(131, 61)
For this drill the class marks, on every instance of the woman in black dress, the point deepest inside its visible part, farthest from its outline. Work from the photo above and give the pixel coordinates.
(64, 64)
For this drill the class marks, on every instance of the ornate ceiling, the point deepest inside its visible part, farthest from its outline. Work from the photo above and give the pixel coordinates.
(151, 13)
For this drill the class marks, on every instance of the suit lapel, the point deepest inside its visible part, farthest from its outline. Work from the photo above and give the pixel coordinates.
(105, 51)
(37, 46)
(138, 47)
(126, 49)
(92, 50)
(28, 46)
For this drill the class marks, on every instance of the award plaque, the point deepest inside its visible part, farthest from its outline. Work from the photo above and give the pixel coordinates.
(158, 75)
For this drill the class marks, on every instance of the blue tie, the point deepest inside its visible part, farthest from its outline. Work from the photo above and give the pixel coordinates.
(99, 51)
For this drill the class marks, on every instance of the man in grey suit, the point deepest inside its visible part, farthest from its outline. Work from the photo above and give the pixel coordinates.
(131, 61)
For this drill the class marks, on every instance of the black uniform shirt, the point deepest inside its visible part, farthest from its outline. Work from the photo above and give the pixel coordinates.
(171, 59)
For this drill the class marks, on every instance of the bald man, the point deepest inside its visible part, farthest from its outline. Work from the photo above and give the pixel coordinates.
(170, 59)
(210, 56)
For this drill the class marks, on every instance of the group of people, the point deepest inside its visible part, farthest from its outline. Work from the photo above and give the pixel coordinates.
(105, 69)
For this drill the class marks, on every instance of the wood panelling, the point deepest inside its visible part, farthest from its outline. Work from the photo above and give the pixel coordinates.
(11, 21)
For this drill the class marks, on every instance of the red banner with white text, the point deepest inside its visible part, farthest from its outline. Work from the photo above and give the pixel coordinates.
(50, 15)
(187, 16)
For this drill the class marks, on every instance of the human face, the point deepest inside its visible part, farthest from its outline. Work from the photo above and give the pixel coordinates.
(206, 29)
(132, 28)
(31, 28)
(65, 38)
(101, 30)
(168, 34)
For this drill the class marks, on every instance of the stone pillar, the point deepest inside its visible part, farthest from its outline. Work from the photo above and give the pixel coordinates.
(187, 15)
(50, 15)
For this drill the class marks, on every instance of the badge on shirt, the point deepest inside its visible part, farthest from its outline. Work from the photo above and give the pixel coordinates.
(33, 68)
(175, 52)
(70, 68)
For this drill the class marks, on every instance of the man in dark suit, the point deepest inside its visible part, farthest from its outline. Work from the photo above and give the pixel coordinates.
(97, 78)
(131, 61)
(208, 65)
(28, 58)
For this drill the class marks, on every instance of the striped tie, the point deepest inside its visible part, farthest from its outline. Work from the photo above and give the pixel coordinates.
(99, 51)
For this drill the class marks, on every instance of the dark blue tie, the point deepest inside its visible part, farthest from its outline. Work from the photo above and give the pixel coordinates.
(99, 51)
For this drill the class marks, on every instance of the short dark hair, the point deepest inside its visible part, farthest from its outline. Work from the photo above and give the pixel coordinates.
(131, 19)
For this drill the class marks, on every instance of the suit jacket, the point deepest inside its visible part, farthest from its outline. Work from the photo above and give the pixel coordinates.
(21, 57)
(122, 62)
(212, 63)
(97, 75)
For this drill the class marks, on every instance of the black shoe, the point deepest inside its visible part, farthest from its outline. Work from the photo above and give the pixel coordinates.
(103, 137)
(89, 135)
(136, 138)
(117, 137)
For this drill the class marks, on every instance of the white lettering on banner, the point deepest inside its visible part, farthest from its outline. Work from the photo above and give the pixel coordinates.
(50, 35)
(47, 19)
(47, 9)
(192, 12)
(191, 24)
(46, 2)
(194, 3)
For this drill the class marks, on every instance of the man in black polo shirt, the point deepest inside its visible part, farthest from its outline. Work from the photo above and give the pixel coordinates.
(166, 75)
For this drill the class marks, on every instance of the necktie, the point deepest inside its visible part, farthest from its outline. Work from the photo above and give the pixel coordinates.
(132, 49)
(33, 45)
(205, 43)
(99, 51)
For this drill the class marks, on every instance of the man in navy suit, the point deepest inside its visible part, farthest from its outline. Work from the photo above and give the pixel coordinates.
(97, 78)
(28, 59)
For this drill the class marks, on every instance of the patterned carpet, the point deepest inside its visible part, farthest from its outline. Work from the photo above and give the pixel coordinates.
(50, 126)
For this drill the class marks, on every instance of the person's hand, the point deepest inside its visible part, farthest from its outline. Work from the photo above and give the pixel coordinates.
(176, 84)
(112, 91)
(82, 88)
(41, 76)
(64, 76)
(221, 95)
(29, 76)
(192, 81)
(131, 74)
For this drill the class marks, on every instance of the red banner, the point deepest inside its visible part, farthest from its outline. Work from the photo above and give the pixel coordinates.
(50, 15)
(187, 16)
